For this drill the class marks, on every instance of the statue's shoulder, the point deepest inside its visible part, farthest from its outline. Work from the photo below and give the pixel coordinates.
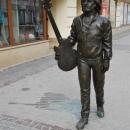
(76, 21)
(77, 18)
(104, 20)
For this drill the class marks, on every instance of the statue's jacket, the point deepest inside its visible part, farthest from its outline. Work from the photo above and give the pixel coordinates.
(94, 39)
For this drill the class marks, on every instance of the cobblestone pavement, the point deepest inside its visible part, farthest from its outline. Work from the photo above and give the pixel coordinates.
(38, 96)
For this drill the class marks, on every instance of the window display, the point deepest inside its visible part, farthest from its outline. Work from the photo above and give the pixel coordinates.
(27, 20)
(3, 24)
(21, 17)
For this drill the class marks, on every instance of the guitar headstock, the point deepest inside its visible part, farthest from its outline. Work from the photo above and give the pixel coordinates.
(46, 4)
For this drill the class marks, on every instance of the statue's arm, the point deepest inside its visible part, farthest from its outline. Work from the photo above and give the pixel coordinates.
(73, 35)
(107, 40)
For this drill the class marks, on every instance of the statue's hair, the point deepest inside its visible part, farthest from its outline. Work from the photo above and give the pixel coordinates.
(99, 5)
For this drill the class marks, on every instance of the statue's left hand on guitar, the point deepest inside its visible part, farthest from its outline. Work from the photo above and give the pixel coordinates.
(65, 44)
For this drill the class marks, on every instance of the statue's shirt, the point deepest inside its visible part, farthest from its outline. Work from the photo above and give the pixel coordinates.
(93, 36)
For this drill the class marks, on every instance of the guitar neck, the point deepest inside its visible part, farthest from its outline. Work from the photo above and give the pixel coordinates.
(55, 28)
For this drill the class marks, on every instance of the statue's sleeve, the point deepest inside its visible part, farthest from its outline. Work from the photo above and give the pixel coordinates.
(73, 35)
(107, 40)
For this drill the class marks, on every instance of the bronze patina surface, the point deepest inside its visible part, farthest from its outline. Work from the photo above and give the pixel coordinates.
(93, 35)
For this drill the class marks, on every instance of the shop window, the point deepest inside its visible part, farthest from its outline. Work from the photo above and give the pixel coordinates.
(128, 14)
(4, 38)
(27, 21)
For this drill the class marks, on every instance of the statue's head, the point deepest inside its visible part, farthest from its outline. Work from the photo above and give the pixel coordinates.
(90, 5)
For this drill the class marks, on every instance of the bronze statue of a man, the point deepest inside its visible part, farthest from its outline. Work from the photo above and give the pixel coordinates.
(93, 35)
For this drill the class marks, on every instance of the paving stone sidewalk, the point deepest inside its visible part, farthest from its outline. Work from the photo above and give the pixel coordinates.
(38, 96)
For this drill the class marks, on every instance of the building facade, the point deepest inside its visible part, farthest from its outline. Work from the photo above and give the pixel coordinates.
(26, 33)
(119, 12)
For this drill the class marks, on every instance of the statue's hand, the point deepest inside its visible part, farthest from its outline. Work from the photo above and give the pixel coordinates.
(106, 64)
(65, 43)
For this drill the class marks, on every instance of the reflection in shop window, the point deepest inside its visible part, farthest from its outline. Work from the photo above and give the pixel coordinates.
(4, 38)
(27, 20)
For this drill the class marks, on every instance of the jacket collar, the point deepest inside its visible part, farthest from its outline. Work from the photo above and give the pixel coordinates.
(88, 24)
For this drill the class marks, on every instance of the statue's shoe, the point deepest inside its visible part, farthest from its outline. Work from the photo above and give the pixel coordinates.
(100, 112)
(81, 123)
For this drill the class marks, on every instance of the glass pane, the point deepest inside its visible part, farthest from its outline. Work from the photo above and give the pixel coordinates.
(128, 13)
(3, 24)
(27, 20)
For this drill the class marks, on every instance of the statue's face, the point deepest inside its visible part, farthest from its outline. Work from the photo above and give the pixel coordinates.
(88, 5)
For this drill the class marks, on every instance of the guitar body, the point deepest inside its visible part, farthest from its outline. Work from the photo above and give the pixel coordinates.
(67, 58)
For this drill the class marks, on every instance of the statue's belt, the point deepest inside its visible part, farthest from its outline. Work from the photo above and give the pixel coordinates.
(88, 58)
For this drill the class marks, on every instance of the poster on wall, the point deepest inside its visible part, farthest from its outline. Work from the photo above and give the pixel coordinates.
(105, 8)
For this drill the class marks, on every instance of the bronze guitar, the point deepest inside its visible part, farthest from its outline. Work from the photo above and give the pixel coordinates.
(67, 55)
